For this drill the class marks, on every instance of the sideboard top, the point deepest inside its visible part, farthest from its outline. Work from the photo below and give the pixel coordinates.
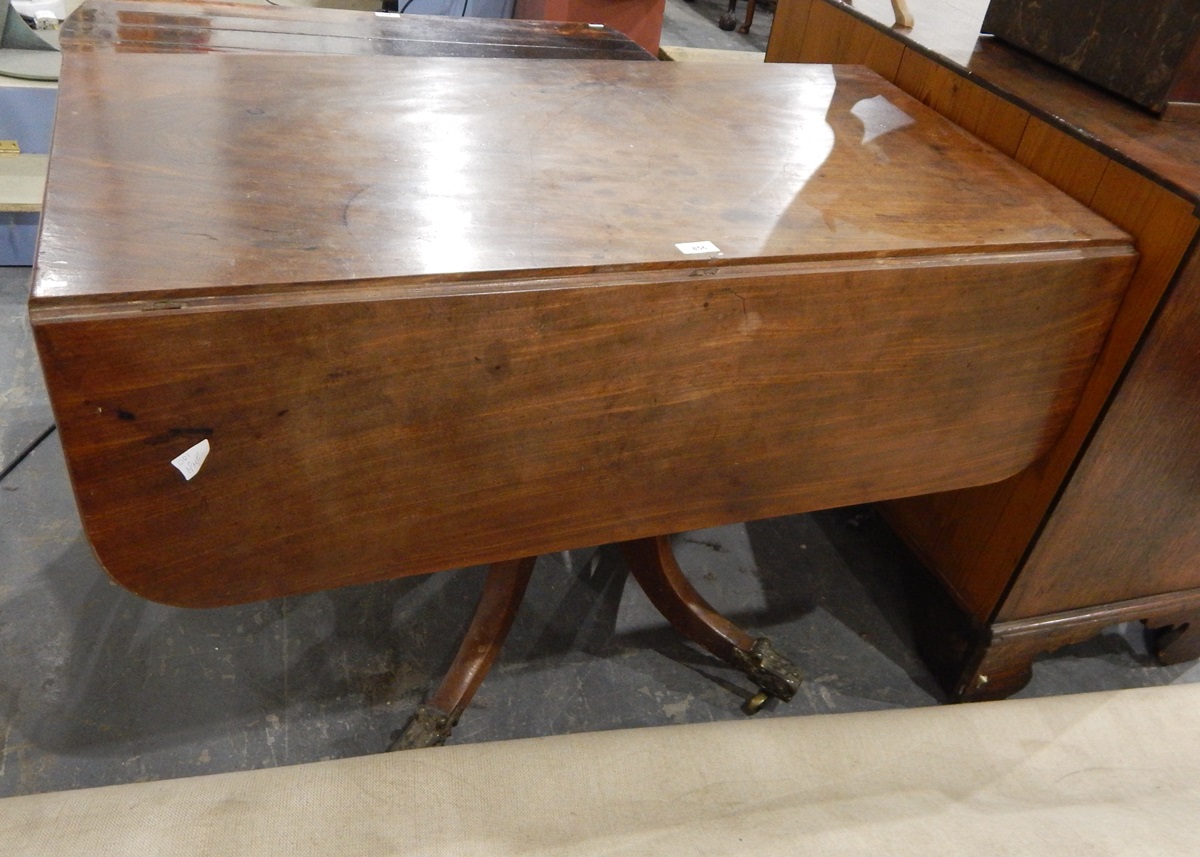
(1167, 150)
(214, 173)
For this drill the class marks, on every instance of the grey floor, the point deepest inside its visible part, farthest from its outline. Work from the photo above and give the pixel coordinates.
(693, 24)
(98, 686)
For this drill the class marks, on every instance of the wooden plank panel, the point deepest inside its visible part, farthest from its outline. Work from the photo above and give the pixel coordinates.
(1163, 225)
(1064, 161)
(941, 27)
(882, 54)
(983, 113)
(1166, 149)
(831, 36)
(917, 74)
(788, 30)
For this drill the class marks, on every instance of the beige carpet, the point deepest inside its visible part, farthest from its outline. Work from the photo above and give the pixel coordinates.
(1098, 774)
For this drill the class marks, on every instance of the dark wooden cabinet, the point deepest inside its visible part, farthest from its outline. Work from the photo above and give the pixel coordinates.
(1105, 527)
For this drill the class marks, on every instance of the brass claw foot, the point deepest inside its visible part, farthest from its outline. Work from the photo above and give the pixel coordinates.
(427, 728)
(494, 614)
(774, 674)
(655, 568)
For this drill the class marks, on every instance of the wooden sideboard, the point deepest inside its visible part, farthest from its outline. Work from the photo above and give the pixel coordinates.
(1105, 527)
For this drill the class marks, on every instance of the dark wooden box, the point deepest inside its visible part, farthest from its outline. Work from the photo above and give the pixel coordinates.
(1148, 51)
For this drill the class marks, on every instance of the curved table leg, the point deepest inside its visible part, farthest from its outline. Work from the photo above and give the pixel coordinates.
(745, 28)
(434, 719)
(656, 570)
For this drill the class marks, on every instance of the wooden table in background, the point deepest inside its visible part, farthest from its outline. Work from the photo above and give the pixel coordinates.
(1105, 527)
(134, 26)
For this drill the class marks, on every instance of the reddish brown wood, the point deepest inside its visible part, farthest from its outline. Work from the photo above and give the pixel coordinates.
(413, 351)
(503, 591)
(1130, 515)
(653, 564)
(992, 662)
(159, 26)
(809, 31)
(656, 570)
(748, 21)
(1004, 664)
(641, 20)
(947, 32)
(1105, 517)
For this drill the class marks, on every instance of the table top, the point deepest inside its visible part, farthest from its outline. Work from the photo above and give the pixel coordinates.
(220, 174)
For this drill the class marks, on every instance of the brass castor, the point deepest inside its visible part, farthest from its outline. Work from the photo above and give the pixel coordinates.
(755, 703)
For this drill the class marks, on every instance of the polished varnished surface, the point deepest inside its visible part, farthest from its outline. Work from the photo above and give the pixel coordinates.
(181, 27)
(948, 31)
(431, 325)
(390, 167)
(1130, 515)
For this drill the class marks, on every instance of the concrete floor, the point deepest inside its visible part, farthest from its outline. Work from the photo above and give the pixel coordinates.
(98, 686)
(693, 24)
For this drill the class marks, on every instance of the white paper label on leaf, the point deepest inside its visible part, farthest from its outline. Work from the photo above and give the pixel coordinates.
(190, 461)
(692, 247)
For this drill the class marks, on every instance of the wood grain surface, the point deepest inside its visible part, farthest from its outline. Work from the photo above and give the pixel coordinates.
(947, 33)
(145, 26)
(448, 324)
(365, 439)
(417, 168)
(1130, 513)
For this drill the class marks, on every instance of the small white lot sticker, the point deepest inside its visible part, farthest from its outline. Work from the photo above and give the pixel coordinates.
(692, 247)
(191, 460)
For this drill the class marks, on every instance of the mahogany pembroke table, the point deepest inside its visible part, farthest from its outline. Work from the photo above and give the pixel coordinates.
(315, 320)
